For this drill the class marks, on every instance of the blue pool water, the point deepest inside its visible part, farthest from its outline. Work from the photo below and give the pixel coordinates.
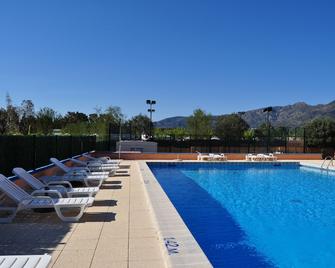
(255, 215)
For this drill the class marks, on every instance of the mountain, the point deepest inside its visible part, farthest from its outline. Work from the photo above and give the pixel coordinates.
(294, 115)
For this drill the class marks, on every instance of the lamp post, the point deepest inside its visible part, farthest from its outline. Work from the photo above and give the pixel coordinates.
(267, 110)
(151, 110)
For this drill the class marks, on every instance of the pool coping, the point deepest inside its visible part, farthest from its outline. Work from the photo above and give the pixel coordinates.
(180, 249)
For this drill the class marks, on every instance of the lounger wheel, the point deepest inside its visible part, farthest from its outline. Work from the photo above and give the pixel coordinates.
(59, 212)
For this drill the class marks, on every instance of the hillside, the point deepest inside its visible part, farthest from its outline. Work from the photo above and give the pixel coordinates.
(294, 115)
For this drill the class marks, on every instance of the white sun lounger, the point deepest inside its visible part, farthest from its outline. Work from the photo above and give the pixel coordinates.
(76, 170)
(26, 201)
(272, 157)
(25, 261)
(218, 157)
(114, 171)
(202, 157)
(87, 180)
(248, 157)
(104, 159)
(64, 187)
(95, 166)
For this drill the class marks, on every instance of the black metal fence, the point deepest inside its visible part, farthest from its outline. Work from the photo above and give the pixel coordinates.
(31, 152)
(296, 140)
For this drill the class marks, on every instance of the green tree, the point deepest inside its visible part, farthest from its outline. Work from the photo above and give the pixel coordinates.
(199, 124)
(74, 117)
(230, 127)
(80, 128)
(45, 120)
(3, 121)
(167, 133)
(249, 134)
(321, 132)
(263, 130)
(12, 116)
(139, 124)
(27, 117)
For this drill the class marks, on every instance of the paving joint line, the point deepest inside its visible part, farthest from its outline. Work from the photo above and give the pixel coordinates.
(61, 251)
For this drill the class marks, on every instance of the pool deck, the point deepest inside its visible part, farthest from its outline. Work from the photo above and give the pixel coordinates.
(119, 230)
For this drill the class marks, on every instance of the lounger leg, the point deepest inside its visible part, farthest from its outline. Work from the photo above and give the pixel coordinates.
(88, 184)
(73, 218)
(9, 218)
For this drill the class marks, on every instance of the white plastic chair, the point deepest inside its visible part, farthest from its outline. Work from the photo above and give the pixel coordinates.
(64, 187)
(26, 201)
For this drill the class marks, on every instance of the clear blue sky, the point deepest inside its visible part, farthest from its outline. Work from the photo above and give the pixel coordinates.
(222, 56)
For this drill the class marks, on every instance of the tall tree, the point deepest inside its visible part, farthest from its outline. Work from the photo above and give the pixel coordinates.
(27, 117)
(199, 124)
(3, 121)
(45, 120)
(12, 116)
(321, 132)
(231, 127)
(74, 117)
(139, 124)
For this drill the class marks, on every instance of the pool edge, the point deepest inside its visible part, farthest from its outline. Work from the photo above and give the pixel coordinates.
(178, 244)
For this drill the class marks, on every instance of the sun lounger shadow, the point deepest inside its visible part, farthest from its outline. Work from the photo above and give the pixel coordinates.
(112, 187)
(105, 203)
(99, 217)
(30, 238)
(112, 182)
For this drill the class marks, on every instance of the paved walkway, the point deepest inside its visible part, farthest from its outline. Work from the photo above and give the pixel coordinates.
(118, 231)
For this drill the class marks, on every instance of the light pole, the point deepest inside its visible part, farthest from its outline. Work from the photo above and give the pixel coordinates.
(151, 110)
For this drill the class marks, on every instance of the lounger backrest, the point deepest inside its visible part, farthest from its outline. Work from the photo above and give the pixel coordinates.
(12, 190)
(60, 164)
(28, 178)
(89, 157)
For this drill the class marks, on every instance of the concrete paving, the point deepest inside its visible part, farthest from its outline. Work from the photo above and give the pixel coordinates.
(117, 231)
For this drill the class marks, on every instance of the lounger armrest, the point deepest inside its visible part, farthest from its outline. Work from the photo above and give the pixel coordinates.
(40, 193)
(90, 162)
(60, 183)
(96, 164)
(59, 188)
(77, 172)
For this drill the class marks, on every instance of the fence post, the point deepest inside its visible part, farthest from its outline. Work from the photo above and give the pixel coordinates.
(56, 137)
(34, 151)
(110, 134)
(286, 137)
(81, 145)
(268, 140)
(304, 133)
(71, 143)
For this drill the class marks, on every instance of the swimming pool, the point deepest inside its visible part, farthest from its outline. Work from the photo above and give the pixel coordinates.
(255, 215)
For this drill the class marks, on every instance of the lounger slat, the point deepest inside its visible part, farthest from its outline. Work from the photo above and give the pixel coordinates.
(36, 184)
(74, 201)
(38, 202)
(28, 261)
(84, 189)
